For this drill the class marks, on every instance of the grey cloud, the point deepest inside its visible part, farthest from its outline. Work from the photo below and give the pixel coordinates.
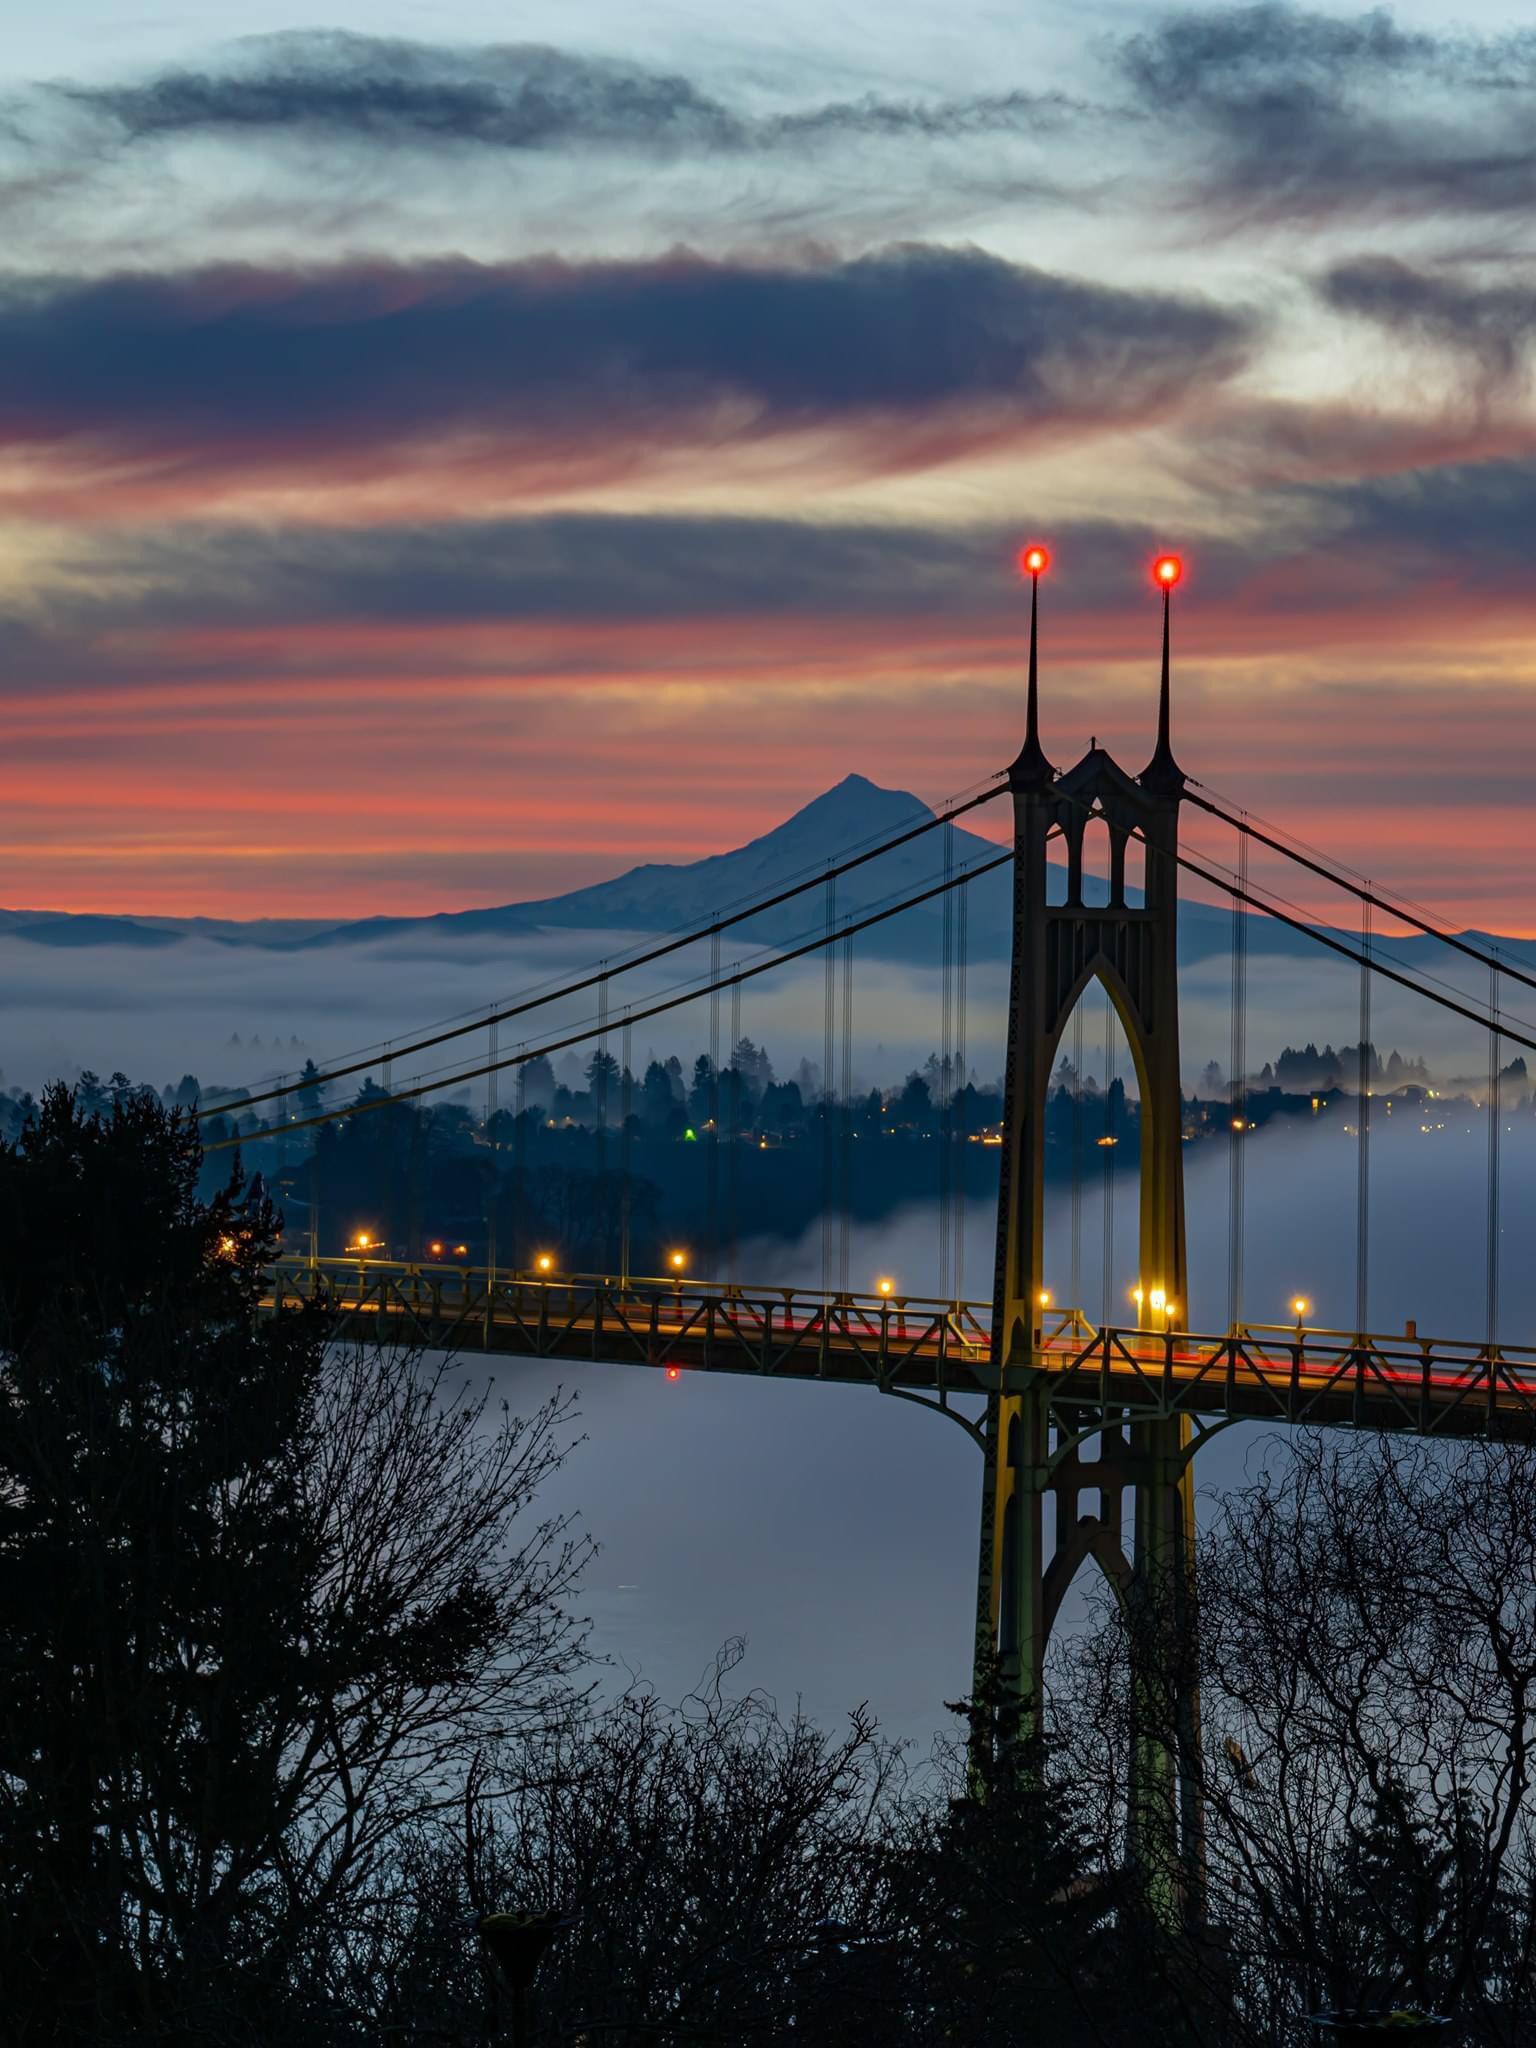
(1491, 325)
(1471, 524)
(1305, 114)
(237, 365)
(517, 97)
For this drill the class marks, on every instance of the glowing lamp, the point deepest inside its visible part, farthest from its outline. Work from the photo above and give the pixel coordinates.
(672, 1372)
(678, 1261)
(461, 1251)
(1159, 1300)
(1300, 1306)
(1166, 571)
(436, 1247)
(1034, 560)
(886, 1286)
(1045, 1297)
(545, 1262)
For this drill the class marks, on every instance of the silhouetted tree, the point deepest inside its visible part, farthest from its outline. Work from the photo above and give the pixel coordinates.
(260, 1599)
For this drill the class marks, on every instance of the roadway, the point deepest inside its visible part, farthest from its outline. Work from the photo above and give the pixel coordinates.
(909, 1344)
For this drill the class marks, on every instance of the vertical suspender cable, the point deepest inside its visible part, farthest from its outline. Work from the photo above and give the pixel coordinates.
(962, 1083)
(492, 1098)
(519, 1175)
(1363, 1134)
(845, 1121)
(1111, 1146)
(601, 1190)
(828, 1154)
(626, 1143)
(1237, 1154)
(734, 1083)
(943, 1117)
(712, 1266)
(1495, 1121)
(1077, 1156)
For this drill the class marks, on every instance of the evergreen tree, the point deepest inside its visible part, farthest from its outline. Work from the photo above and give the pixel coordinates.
(259, 1599)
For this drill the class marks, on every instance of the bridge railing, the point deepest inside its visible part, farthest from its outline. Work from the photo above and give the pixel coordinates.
(666, 1320)
(903, 1341)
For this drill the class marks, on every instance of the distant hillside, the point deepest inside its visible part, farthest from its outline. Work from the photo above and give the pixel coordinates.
(668, 896)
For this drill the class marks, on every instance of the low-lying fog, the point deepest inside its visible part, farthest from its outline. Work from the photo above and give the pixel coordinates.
(234, 1015)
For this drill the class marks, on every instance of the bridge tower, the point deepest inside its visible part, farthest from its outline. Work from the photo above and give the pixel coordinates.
(1033, 1444)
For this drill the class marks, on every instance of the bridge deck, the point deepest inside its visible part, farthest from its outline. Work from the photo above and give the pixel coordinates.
(905, 1344)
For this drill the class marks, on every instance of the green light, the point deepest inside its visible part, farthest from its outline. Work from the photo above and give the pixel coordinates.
(692, 1136)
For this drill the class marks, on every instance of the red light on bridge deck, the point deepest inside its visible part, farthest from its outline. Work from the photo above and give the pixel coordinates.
(1034, 560)
(1167, 570)
(672, 1371)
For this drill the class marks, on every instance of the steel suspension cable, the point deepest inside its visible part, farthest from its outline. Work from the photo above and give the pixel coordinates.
(1111, 1146)
(492, 1098)
(1077, 1156)
(1363, 1127)
(584, 1034)
(1398, 908)
(600, 1190)
(828, 1154)
(962, 1128)
(545, 994)
(845, 1122)
(1495, 1121)
(1238, 1088)
(712, 1133)
(733, 1085)
(944, 1115)
(626, 1145)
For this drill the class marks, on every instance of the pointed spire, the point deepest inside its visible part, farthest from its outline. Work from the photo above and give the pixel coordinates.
(1031, 766)
(1162, 771)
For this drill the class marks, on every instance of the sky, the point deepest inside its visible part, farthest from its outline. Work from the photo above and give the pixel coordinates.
(442, 469)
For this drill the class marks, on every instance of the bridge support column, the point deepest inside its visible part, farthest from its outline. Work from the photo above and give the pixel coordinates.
(1060, 948)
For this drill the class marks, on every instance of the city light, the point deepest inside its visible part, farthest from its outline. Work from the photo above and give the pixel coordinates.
(886, 1286)
(363, 1240)
(678, 1261)
(1159, 1300)
(545, 1262)
(1299, 1308)
(1167, 570)
(1045, 1297)
(436, 1247)
(1034, 560)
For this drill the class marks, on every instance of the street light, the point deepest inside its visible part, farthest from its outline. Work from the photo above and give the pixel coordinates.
(886, 1287)
(545, 1262)
(678, 1261)
(1299, 1308)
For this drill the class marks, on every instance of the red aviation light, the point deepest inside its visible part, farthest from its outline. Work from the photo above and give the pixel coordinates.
(1034, 560)
(1167, 570)
(672, 1372)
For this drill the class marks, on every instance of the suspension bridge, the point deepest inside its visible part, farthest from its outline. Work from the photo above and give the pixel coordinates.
(1032, 1381)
